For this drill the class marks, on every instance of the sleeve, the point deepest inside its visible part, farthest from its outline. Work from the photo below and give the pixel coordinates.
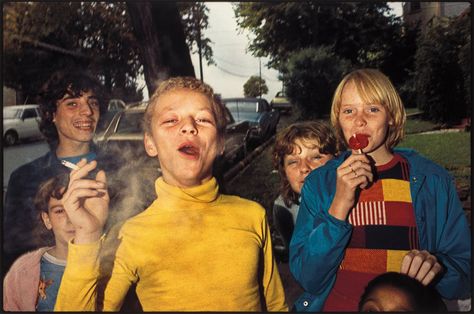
(87, 284)
(318, 243)
(122, 275)
(272, 285)
(77, 291)
(10, 294)
(453, 244)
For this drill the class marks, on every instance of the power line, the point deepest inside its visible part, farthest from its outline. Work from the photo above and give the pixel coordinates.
(232, 73)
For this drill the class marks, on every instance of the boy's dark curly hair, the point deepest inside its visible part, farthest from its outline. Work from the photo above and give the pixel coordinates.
(422, 298)
(73, 82)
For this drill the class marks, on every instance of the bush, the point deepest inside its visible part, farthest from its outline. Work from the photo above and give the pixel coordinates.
(311, 76)
(442, 64)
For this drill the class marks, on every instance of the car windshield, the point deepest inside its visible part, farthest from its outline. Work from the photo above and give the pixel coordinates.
(242, 106)
(130, 122)
(11, 113)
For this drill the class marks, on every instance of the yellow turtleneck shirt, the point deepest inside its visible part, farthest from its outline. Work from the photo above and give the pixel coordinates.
(192, 250)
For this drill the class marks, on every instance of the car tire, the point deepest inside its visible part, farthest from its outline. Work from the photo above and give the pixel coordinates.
(10, 138)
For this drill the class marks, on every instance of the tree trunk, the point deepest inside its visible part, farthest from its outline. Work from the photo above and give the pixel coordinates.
(159, 33)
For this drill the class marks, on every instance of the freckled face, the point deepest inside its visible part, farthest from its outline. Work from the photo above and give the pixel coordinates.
(76, 118)
(184, 137)
(57, 220)
(304, 158)
(358, 117)
(387, 299)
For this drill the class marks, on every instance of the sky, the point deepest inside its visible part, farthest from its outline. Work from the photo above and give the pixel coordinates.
(234, 64)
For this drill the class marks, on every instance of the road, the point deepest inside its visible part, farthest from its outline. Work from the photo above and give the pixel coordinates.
(17, 155)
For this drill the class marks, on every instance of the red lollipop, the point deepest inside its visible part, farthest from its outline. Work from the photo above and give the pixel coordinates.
(358, 142)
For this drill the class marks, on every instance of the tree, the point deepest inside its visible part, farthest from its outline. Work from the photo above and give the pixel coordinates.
(440, 75)
(255, 87)
(195, 19)
(311, 90)
(360, 32)
(159, 32)
(41, 37)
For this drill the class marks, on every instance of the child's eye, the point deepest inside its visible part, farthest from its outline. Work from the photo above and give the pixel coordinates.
(59, 211)
(374, 109)
(291, 162)
(347, 111)
(71, 104)
(94, 104)
(170, 121)
(203, 120)
(317, 157)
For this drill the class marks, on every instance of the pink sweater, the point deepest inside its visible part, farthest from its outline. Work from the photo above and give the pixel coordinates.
(20, 286)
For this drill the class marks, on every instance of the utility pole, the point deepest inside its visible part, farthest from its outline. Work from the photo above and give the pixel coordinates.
(260, 77)
(198, 15)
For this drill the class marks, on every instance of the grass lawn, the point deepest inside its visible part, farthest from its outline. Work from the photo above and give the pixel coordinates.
(450, 150)
(417, 126)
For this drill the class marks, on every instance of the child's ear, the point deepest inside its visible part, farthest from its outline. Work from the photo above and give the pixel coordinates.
(46, 221)
(150, 147)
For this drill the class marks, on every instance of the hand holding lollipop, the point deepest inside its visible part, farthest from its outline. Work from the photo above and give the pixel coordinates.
(358, 142)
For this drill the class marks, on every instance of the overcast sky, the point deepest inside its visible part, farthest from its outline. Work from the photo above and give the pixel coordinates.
(234, 64)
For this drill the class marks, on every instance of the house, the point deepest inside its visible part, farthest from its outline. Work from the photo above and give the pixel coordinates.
(424, 12)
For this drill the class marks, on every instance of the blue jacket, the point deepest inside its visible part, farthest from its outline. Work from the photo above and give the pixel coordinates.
(319, 240)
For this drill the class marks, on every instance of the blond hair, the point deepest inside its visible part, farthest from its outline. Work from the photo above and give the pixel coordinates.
(373, 87)
(193, 84)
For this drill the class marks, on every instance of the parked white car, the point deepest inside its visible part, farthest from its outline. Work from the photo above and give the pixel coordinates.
(20, 122)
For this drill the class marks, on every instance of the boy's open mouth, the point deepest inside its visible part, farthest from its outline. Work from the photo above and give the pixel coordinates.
(84, 125)
(189, 149)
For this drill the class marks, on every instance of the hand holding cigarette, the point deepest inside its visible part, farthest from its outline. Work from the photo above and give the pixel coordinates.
(86, 202)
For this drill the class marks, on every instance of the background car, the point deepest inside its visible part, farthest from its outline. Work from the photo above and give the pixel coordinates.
(281, 103)
(123, 138)
(20, 122)
(258, 113)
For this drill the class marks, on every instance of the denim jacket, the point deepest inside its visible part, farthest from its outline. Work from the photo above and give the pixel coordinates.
(319, 240)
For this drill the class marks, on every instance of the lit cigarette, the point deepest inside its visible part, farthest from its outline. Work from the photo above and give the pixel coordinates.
(70, 165)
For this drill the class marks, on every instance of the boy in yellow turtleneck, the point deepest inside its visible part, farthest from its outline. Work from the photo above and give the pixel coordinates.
(193, 249)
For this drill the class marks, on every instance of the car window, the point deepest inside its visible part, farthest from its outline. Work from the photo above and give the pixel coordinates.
(248, 106)
(116, 104)
(29, 113)
(232, 105)
(11, 113)
(130, 122)
(228, 117)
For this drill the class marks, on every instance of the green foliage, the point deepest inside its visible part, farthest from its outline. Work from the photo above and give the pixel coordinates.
(255, 86)
(361, 32)
(311, 76)
(94, 35)
(195, 19)
(42, 37)
(443, 67)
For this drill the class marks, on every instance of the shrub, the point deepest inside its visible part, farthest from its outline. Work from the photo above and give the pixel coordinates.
(311, 76)
(442, 69)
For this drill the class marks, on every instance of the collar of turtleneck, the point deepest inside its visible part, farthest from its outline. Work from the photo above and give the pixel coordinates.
(195, 197)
